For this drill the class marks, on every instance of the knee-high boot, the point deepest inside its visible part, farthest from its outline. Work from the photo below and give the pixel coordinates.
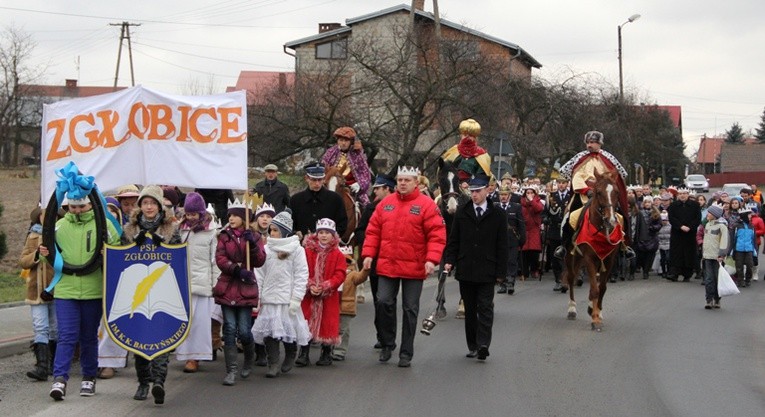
(249, 359)
(272, 349)
(290, 351)
(260, 355)
(40, 372)
(230, 353)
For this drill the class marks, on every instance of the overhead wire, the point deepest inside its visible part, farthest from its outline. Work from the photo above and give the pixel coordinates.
(207, 57)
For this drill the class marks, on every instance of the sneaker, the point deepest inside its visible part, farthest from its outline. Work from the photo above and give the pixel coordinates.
(716, 303)
(709, 305)
(58, 390)
(88, 387)
(404, 362)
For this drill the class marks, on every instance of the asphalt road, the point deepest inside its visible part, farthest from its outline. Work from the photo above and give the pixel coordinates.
(660, 354)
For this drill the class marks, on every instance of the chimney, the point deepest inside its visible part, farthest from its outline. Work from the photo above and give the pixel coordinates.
(419, 5)
(71, 83)
(326, 27)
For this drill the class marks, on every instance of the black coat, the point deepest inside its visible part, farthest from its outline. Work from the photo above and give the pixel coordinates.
(274, 193)
(477, 248)
(309, 206)
(555, 210)
(516, 226)
(682, 245)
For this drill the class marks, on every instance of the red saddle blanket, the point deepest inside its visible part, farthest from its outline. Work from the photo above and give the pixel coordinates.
(602, 245)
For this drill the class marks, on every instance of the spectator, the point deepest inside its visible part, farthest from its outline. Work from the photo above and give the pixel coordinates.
(317, 202)
(648, 225)
(532, 214)
(715, 249)
(274, 192)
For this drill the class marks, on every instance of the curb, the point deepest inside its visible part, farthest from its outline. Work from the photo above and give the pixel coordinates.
(15, 346)
(12, 304)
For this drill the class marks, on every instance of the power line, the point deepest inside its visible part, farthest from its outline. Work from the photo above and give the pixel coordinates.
(182, 67)
(210, 58)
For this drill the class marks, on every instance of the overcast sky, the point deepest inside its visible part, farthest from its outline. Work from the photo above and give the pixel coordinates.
(704, 55)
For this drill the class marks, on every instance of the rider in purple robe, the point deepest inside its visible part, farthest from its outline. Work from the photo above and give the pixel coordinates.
(348, 156)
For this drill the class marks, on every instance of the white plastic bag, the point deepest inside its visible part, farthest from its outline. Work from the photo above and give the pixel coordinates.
(725, 284)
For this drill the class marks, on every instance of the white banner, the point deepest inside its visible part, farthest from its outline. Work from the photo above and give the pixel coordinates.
(141, 136)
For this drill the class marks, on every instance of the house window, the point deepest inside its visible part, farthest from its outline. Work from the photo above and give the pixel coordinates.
(336, 49)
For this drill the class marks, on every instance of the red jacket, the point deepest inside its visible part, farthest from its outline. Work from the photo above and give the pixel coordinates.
(759, 227)
(332, 277)
(403, 233)
(532, 215)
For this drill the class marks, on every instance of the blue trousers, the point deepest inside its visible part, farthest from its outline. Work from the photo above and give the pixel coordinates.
(77, 322)
(237, 321)
(44, 322)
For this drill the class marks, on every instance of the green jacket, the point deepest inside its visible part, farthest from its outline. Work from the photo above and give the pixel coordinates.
(76, 241)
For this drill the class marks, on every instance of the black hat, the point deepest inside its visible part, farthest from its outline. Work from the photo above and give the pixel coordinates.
(383, 180)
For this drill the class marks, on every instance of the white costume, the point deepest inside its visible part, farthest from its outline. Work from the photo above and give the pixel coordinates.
(204, 273)
(279, 282)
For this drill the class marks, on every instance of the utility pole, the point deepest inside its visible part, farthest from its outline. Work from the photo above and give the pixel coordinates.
(125, 34)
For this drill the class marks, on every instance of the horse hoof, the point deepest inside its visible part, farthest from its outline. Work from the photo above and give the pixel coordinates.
(597, 327)
(571, 315)
(579, 282)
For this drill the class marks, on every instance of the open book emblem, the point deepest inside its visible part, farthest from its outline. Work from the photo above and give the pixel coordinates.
(147, 297)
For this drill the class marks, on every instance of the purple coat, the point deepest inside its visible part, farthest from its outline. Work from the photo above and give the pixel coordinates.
(230, 256)
(359, 168)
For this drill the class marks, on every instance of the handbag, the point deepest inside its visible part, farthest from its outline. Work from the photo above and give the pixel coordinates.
(725, 284)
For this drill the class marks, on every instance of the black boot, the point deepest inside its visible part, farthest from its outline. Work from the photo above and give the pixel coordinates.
(230, 353)
(326, 356)
(143, 372)
(290, 351)
(272, 349)
(40, 372)
(260, 355)
(249, 358)
(303, 359)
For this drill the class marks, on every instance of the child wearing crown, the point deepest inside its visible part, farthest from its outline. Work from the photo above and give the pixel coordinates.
(282, 281)
(321, 305)
(236, 290)
(264, 213)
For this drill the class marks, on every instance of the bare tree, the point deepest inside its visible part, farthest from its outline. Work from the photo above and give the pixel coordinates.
(198, 86)
(17, 109)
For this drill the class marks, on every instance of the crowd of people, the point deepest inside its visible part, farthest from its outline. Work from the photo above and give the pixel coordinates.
(277, 276)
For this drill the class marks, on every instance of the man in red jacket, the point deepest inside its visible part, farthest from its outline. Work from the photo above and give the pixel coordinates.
(405, 230)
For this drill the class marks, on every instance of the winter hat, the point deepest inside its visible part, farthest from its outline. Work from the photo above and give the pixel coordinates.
(593, 136)
(195, 203)
(283, 221)
(737, 197)
(326, 224)
(647, 198)
(172, 195)
(152, 191)
(666, 196)
(715, 210)
(126, 191)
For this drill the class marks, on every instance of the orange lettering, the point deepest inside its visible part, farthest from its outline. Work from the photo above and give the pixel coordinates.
(77, 146)
(58, 126)
(183, 135)
(227, 124)
(166, 120)
(105, 137)
(194, 119)
(133, 127)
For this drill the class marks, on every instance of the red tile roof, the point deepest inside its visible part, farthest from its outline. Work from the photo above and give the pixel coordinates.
(64, 92)
(710, 149)
(675, 113)
(257, 82)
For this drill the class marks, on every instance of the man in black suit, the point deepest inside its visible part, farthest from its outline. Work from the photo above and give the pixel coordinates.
(477, 247)
(556, 207)
(516, 237)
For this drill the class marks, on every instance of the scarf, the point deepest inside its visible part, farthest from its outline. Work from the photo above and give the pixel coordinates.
(36, 228)
(317, 302)
(198, 225)
(468, 147)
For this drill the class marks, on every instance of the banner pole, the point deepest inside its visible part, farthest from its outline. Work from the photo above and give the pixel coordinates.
(247, 224)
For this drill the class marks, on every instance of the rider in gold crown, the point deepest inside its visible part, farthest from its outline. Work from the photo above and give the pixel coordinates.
(349, 158)
(469, 158)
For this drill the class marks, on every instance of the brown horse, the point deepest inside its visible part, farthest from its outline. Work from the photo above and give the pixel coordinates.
(599, 236)
(334, 181)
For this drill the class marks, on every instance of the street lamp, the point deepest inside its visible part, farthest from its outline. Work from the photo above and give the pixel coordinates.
(632, 18)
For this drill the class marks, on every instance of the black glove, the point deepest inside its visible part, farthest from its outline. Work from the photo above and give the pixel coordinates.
(247, 276)
(251, 237)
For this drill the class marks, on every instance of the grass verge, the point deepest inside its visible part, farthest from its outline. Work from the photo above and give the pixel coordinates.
(12, 288)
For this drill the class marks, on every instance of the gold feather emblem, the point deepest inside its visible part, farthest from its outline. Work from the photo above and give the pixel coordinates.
(143, 288)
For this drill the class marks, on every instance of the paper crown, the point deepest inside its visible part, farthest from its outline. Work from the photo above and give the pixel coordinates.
(265, 208)
(239, 204)
(325, 224)
(346, 250)
(409, 171)
(683, 190)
